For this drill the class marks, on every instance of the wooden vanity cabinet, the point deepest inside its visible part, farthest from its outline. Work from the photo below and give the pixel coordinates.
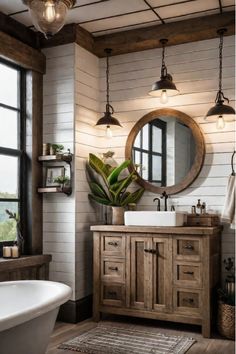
(160, 273)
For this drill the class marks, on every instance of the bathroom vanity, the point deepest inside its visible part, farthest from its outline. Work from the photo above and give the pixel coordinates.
(164, 273)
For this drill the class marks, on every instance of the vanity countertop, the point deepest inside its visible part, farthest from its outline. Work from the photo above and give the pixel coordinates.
(181, 230)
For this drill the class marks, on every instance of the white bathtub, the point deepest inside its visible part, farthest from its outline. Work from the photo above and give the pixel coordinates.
(28, 311)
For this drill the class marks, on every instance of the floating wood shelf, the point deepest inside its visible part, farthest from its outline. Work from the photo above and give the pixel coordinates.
(55, 158)
(66, 190)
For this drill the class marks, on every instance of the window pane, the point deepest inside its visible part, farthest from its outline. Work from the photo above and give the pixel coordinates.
(156, 139)
(137, 141)
(8, 177)
(156, 168)
(9, 85)
(9, 128)
(145, 166)
(145, 131)
(7, 226)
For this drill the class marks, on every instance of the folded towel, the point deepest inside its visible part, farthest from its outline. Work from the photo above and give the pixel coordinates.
(228, 213)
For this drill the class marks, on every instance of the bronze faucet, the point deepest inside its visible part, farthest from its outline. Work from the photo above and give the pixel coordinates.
(158, 203)
(165, 197)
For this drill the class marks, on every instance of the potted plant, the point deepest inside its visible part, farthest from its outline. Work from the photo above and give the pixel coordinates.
(110, 189)
(226, 308)
(19, 238)
(62, 181)
(56, 149)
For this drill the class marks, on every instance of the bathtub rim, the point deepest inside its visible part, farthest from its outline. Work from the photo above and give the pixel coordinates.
(45, 306)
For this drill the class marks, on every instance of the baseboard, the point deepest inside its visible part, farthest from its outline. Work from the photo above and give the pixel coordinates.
(76, 311)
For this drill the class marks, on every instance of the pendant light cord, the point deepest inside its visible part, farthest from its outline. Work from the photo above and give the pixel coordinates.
(220, 95)
(108, 106)
(163, 65)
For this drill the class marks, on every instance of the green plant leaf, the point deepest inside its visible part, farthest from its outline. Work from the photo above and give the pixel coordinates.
(99, 199)
(132, 197)
(124, 185)
(98, 190)
(99, 166)
(113, 177)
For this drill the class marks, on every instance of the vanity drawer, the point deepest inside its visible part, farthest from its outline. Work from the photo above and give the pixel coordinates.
(113, 295)
(112, 269)
(113, 245)
(188, 248)
(188, 275)
(188, 302)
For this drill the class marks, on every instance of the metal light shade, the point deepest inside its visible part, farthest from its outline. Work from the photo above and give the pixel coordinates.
(49, 16)
(220, 109)
(108, 120)
(164, 84)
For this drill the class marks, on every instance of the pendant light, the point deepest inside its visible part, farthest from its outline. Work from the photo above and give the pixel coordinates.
(220, 110)
(49, 16)
(107, 119)
(165, 87)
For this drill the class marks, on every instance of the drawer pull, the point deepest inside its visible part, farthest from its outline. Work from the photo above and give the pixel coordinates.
(188, 273)
(188, 300)
(188, 247)
(113, 268)
(112, 243)
(150, 251)
(112, 293)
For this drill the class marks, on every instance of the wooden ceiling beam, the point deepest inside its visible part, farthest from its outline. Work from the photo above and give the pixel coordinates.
(22, 54)
(17, 30)
(192, 30)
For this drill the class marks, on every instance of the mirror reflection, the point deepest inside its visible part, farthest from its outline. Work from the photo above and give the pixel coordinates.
(164, 151)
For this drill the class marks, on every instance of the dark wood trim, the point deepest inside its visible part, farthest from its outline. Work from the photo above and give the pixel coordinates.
(23, 262)
(34, 114)
(76, 311)
(199, 154)
(71, 33)
(180, 32)
(21, 54)
(19, 31)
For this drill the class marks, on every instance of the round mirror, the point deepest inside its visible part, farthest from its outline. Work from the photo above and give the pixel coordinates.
(167, 150)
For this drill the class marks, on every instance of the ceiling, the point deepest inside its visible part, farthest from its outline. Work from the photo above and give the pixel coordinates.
(101, 17)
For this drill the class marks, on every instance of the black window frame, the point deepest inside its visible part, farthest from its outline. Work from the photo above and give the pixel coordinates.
(20, 151)
(162, 126)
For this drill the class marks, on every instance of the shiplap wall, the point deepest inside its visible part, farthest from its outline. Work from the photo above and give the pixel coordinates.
(87, 108)
(194, 67)
(58, 127)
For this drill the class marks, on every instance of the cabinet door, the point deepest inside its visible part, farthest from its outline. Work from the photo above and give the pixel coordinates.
(162, 274)
(140, 272)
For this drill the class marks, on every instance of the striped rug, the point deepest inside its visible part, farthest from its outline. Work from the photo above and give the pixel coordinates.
(120, 340)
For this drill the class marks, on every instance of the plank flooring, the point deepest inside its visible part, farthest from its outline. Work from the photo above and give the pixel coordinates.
(216, 345)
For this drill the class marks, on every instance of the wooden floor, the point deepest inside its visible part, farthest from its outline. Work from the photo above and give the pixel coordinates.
(216, 345)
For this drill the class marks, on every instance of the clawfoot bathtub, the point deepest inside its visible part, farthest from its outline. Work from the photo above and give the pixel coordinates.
(28, 311)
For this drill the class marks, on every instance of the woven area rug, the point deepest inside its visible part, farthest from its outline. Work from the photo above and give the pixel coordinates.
(120, 340)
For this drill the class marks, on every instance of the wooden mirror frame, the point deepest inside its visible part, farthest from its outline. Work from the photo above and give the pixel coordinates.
(199, 155)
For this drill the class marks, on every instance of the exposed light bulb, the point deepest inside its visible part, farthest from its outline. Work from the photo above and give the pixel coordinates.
(50, 12)
(164, 97)
(220, 124)
(109, 132)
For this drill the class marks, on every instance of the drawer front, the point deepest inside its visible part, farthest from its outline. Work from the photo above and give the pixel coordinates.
(188, 248)
(188, 275)
(113, 270)
(113, 295)
(113, 245)
(187, 301)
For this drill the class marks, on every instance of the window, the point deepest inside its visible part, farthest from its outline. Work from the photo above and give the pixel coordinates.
(149, 151)
(12, 112)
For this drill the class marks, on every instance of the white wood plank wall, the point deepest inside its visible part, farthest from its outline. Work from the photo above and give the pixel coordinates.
(194, 67)
(58, 127)
(86, 115)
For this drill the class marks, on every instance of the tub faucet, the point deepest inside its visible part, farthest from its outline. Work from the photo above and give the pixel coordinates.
(165, 197)
(158, 203)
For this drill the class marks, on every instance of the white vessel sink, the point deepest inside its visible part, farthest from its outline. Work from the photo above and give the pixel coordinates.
(154, 218)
